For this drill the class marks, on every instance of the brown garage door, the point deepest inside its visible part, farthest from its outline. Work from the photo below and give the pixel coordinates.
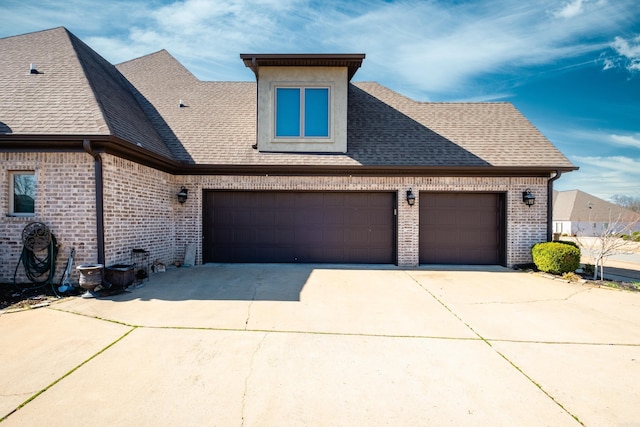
(462, 228)
(284, 226)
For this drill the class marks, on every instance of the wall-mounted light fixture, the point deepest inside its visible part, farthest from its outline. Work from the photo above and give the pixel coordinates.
(411, 198)
(528, 198)
(182, 195)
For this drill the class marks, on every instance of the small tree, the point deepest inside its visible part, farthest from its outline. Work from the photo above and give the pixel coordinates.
(607, 240)
(629, 202)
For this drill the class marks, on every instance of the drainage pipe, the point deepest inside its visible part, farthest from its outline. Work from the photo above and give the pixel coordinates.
(550, 205)
(86, 144)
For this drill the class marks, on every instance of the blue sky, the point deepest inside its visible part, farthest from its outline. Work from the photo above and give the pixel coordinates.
(572, 67)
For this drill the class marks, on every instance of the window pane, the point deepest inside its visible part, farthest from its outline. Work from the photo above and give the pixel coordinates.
(24, 192)
(316, 112)
(287, 112)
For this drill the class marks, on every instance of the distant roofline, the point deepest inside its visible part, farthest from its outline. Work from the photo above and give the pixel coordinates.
(352, 61)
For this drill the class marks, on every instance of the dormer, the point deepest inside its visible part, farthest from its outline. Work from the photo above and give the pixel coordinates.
(302, 100)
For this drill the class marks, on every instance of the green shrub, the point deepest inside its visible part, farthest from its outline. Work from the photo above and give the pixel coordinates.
(588, 269)
(634, 237)
(556, 257)
(568, 242)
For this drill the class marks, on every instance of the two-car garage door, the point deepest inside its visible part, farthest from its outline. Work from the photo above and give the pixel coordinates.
(349, 227)
(293, 226)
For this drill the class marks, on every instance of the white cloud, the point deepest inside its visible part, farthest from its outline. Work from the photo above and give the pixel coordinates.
(604, 176)
(414, 46)
(608, 64)
(569, 10)
(629, 50)
(626, 140)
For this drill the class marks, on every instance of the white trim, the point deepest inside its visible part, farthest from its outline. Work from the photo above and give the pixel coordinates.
(11, 176)
(302, 86)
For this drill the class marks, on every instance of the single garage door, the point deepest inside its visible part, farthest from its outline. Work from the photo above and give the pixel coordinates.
(288, 226)
(462, 228)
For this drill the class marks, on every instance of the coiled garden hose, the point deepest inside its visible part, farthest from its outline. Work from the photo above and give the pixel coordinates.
(35, 264)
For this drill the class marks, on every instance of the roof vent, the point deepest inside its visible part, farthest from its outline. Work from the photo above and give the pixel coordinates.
(181, 104)
(33, 69)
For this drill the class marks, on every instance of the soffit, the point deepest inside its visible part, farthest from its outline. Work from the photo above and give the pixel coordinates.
(352, 61)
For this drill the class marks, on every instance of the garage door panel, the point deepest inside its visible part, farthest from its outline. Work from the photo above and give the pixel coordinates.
(379, 240)
(241, 217)
(461, 228)
(284, 236)
(333, 218)
(311, 217)
(377, 217)
(298, 226)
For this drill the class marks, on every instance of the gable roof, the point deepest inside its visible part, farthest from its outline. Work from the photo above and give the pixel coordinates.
(578, 206)
(75, 92)
(79, 93)
(218, 125)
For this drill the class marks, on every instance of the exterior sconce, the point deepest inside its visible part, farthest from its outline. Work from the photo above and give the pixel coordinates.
(528, 198)
(411, 198)
(182, 195)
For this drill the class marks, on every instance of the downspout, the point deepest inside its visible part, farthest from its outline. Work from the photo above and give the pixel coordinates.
(254, 67)
(86, 144)
(550, 205)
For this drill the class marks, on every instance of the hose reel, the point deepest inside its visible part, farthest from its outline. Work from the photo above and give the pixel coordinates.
(36, 238)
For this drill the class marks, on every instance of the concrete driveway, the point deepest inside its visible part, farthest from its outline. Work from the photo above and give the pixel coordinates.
(263, 345)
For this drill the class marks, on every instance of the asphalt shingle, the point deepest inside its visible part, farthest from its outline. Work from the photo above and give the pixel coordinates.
(76, 92)
(576, 205)
(79, 93)
(218, 125)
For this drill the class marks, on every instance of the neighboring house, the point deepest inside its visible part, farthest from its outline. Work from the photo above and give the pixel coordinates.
(301, 165)
(578, 213)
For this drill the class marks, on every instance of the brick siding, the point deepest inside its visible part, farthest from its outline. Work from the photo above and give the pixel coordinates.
(65, 202)
(141, 209)
(526, 226)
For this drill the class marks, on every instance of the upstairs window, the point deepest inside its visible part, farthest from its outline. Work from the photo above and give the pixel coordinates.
(302, 112)
(22, 193)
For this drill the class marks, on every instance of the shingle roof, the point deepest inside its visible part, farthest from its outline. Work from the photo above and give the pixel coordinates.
(76, 92)
(218, 125)
(576, 205)
(80, 93)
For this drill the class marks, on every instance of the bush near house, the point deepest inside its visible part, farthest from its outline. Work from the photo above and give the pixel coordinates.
(556, 257)
(634, 237)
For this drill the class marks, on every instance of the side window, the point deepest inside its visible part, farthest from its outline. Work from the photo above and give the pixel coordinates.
(302, 112)
(22, 193)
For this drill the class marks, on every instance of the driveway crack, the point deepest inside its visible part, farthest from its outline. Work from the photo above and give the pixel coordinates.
(249, 374)
(567, 298)
(256, 285)
(486, 341)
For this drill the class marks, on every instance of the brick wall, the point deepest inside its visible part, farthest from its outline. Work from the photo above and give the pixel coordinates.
(141, 209)
(65, 202)
(526, 226)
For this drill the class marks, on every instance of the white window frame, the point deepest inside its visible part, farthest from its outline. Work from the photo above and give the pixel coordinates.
(302, 87)
(12, 175)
